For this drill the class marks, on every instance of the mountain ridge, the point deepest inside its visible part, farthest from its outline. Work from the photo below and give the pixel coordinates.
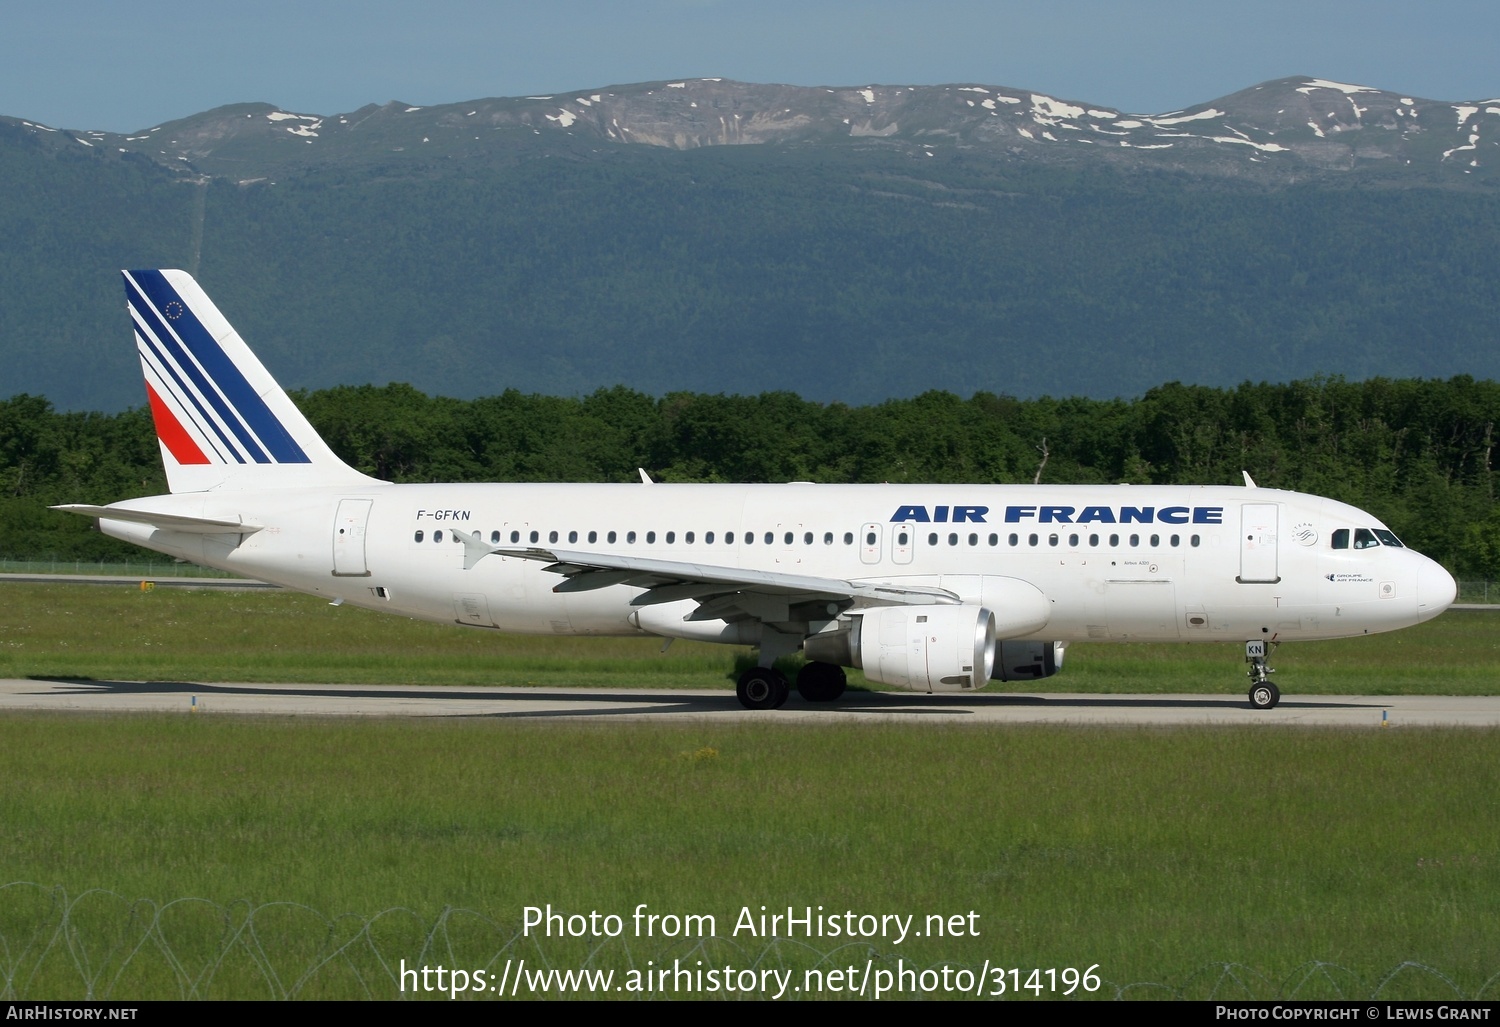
(1281, 129)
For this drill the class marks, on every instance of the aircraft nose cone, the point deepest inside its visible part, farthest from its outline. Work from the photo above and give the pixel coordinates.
(1436, 590)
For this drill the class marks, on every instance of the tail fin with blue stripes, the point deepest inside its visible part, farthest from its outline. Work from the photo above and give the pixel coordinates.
(222, 421)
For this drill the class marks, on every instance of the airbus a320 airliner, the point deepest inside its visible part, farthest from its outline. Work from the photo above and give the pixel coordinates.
(924, 587)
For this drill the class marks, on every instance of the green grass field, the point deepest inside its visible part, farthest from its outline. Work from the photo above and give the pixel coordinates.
(199, 856)
(1162, 856)
(173, 634)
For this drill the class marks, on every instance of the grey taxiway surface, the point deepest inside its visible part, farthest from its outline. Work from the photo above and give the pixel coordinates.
(634, 705)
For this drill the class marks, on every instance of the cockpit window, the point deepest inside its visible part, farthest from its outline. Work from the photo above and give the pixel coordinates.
(1388, 538)
(1364, 538)
(1341, 538)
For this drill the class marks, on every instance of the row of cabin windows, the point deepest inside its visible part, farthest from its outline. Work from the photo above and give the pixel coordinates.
(670, 538)
(789, 538)
(1054, 539)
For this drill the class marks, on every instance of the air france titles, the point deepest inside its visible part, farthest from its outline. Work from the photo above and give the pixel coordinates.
(1062, 515)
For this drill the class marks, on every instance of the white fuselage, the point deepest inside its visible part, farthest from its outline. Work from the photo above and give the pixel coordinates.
(1115, 562)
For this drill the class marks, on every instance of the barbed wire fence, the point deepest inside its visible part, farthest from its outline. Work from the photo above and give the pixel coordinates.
(99, 945)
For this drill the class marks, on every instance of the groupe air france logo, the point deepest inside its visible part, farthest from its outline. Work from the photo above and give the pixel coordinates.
(174, 310)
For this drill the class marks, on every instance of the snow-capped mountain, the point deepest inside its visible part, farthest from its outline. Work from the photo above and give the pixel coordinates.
(1288, 127)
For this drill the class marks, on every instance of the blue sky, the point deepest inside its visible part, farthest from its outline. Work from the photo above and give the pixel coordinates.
(121, 67)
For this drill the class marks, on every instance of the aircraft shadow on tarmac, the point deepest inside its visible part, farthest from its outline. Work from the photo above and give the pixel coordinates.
(583, 702)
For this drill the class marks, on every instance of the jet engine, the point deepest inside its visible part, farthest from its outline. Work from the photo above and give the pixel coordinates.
(1027, 661)
(922, 648)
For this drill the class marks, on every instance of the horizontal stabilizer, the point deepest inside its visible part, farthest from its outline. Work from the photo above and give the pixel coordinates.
(165, 521)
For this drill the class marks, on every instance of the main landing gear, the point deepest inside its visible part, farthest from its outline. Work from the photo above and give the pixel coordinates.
(766, 688)
(1264, 694)
(762, 688)
(821, 682)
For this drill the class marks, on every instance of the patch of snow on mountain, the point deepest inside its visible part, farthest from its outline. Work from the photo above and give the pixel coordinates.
(1465, 113)
(564, 117)
(868, 94)
(1472, 145)
(1344, 87)
(1267, 147)
(1212, 112)
(1054, 108)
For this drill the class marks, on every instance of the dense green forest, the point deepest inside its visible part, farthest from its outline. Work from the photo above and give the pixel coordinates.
(1416, 453)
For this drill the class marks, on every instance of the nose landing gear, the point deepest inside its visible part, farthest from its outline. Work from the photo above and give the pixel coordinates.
(1264, 694)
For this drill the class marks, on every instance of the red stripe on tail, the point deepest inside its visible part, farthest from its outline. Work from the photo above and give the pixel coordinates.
(171, 432)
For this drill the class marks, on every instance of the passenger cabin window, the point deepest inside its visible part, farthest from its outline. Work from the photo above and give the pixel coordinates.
(848, 538)
(437, 536)
(535, 535)
(418, 536)
(494, 538)
(1341, 538)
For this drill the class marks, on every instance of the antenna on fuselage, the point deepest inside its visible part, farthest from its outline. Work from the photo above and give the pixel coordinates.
(1249, 481)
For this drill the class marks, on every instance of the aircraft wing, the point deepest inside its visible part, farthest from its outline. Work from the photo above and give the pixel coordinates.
(721, 592)
(165, 521)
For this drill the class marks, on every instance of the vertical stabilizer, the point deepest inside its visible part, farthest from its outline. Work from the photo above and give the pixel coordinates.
(221, 419)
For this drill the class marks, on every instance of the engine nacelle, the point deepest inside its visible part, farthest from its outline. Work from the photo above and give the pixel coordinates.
(1027, 661)
(924, 648)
